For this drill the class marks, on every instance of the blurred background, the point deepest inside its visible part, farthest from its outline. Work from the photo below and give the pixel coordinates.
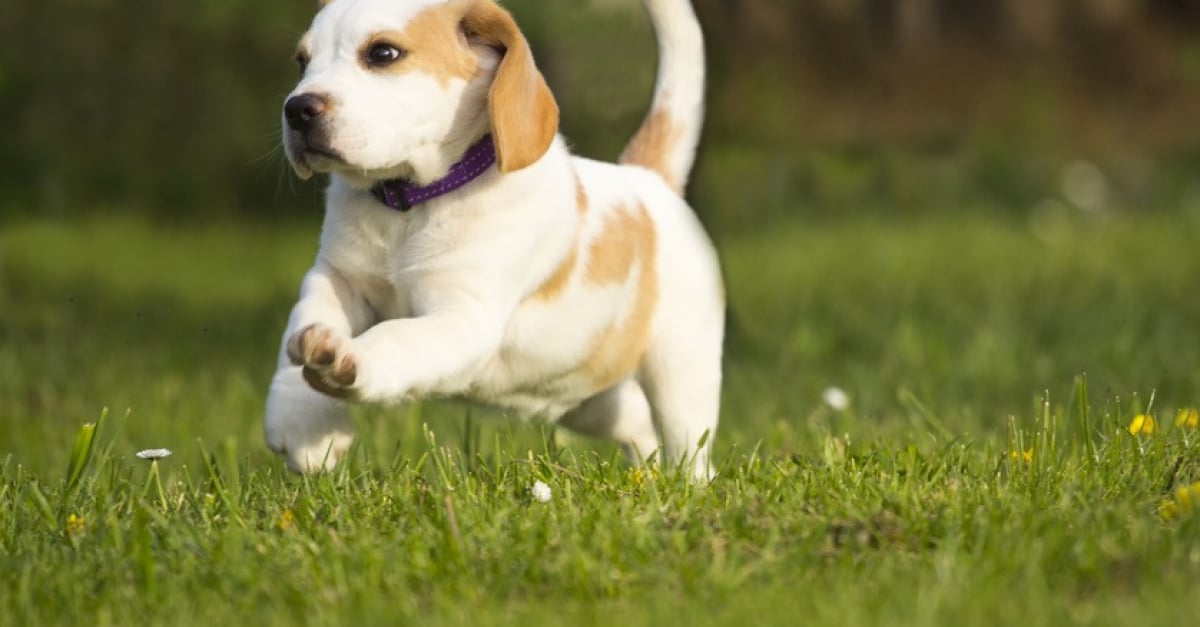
(838, 104)
(942, 207)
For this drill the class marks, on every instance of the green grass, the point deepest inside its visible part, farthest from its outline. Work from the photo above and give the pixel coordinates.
(960, 340)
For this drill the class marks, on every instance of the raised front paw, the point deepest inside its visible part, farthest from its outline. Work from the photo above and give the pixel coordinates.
(328, 364)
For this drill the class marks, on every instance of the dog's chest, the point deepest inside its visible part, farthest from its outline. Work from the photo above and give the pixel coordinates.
(382, 257)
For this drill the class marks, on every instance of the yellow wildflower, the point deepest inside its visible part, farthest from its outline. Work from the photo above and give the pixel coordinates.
(1188, 495)
(637, 476)
(287, 520)
(1025, 456)
(1182, 503)
(76, 525)
(1187, 418)
(1142, 424)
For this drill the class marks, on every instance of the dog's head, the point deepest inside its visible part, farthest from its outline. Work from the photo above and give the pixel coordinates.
(400, 88)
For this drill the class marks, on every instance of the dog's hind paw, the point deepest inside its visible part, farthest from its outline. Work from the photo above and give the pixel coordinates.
(311, 430)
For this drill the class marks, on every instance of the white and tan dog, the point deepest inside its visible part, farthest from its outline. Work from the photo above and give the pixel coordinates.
(466, 253)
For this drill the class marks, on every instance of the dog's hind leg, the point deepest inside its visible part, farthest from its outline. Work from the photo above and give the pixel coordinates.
(681, 375)
(311, 429)
(620, 414)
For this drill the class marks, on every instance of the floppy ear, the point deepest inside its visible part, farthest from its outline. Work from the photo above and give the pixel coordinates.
(524, 114)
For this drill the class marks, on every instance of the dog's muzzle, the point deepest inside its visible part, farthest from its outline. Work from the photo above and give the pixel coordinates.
(307, 140)
(304, 111)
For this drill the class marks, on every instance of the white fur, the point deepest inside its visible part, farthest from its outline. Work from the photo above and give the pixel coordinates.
(437, 301)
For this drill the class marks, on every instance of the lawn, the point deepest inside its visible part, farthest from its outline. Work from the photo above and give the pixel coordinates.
(977, 476)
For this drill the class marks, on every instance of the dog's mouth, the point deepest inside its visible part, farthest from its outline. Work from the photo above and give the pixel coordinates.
(322, 152)
(316, 147)
(311, 154)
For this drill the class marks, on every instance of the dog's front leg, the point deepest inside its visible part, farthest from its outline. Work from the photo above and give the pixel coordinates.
(310, 428)
(439, 352)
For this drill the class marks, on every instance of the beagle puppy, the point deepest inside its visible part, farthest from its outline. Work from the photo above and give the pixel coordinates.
(466, 253)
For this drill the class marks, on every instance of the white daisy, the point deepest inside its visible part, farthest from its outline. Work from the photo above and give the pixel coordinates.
(836, 398)
(154, 454)
(540, 492)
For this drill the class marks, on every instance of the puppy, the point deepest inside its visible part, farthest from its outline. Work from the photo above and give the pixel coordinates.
(466, 253)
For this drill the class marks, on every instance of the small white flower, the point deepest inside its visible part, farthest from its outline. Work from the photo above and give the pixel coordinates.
(836, 398)
(1084, 185)
(154, 454)
(540, 492)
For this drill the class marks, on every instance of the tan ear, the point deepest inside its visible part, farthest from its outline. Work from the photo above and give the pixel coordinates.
(524, 114)
(324, 3)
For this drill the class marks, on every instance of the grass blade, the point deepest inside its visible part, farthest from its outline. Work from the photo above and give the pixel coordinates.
(1081, 405)
(81, 452)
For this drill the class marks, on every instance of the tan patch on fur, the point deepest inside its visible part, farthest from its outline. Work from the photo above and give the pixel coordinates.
(612, 253)
(581, 197)
(432, 44)
(552, 287)
(651, 145)
(302, 54)
(627, 240)
(523, 111)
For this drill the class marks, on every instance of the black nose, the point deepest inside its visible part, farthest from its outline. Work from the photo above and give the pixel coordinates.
(301, 111)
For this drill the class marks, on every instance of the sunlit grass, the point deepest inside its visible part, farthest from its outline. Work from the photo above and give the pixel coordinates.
(967, 473)
(942, 531)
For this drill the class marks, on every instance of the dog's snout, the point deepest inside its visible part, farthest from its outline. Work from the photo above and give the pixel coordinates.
(301, 111)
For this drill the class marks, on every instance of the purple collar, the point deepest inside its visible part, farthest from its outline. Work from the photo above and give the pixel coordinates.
(402, 195)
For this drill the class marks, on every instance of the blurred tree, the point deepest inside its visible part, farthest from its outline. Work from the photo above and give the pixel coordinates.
(916, 24)
(139, 102)
(167, 110)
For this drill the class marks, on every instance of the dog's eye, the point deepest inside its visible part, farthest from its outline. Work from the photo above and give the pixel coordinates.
(302, 63)
(379, 55)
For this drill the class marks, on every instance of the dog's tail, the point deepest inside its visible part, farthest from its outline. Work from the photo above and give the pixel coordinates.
(666, 141)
